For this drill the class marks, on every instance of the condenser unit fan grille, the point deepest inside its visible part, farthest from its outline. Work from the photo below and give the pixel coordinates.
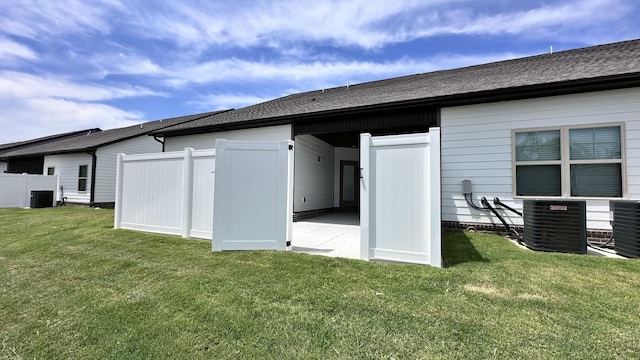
(626, 227)
(558, 226)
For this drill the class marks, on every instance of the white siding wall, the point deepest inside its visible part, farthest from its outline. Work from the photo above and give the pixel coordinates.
(342, 154)
(106, 163)
(313, 174)
(3, 167)
(208, 140)
(66, 167)
(476, 145)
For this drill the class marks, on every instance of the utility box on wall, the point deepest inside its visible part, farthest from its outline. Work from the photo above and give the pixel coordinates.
(551, 225)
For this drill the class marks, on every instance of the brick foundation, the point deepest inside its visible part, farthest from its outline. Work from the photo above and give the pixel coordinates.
(596, 236)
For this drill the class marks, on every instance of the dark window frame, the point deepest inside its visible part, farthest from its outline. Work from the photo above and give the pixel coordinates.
(82, 179)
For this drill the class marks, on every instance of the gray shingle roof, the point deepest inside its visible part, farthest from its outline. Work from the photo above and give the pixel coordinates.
(591, 63)
(45, 139)
(95, 140)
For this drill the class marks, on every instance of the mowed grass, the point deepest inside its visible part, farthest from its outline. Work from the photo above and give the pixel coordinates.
(71, 287)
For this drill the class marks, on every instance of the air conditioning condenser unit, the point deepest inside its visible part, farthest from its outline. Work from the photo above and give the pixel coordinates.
(626, 227)
(559, 226)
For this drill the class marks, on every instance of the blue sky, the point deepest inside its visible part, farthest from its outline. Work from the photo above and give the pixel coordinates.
(77, 64)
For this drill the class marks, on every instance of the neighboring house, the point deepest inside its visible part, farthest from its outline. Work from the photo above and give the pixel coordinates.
(33, 165)
(561, 126)
(86, 164)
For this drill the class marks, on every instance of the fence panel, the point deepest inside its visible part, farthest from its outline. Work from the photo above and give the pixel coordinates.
(400, 198)
(15, 189)
(167, 193)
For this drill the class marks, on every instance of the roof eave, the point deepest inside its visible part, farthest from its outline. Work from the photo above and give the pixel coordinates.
(47, 153)
(95, 147)
(495, 95)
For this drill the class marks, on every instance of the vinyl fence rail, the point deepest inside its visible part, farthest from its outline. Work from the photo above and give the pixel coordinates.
(166, 193)
(15, 189)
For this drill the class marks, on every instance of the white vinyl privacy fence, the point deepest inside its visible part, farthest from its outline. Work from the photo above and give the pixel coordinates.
(167, 193)
(253, 206)
(16, 189)
(400, 198)
(173, 193)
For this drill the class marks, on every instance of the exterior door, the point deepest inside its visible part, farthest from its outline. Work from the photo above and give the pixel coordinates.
(400, 198)
(349, 188)
(253, 202)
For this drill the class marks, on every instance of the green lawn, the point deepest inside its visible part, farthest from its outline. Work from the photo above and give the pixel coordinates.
(71, 287)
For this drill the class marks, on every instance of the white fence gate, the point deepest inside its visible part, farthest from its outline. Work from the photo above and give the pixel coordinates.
(254, 195)
(15, 189)
(400, 198)
(167, 193)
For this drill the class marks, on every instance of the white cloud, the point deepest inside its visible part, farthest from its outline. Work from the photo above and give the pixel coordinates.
(201, 24)
(363, 23)
(46, 19)
(560, 17)
(12, 52)
(33, 106)
(21, 85)
(23, 119)
(121, 63)
(272, 23)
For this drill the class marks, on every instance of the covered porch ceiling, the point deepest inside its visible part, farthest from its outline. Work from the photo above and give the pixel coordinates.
(344, 131)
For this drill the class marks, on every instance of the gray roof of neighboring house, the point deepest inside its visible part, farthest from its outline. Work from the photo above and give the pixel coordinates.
(45, 139)
(601, 64)
(93, 141)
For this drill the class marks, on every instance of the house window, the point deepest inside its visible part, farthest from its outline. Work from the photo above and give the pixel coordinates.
(569, 162)
(51, 170)
(82, 177)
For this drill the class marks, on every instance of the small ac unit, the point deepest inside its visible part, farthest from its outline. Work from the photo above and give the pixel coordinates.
(626, 227)
(558, 226)
(41, 199)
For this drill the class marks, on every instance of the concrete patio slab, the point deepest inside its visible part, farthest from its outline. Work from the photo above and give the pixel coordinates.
(335, 235)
